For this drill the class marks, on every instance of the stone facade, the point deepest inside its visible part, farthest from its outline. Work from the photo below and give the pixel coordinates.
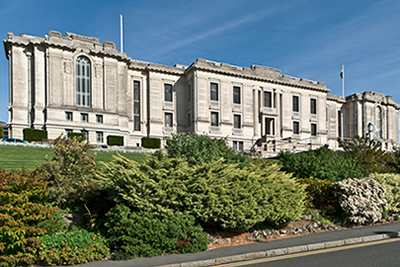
(74, 83)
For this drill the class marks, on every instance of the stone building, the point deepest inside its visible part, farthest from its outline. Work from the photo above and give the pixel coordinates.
(74, 83)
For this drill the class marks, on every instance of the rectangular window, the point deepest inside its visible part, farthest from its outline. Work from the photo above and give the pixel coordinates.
(313, 129)
(99, 137)
(214, 119)
(168, 120)
(237, 121)
(84, 117)
(136, 105)
(241, 146)
(236, 95)
(214, 92)
(339, 121)
(235, 145)
(313, 105)
(167, 92)
(68, 116)
(85, 135)
(189, 119)
(295, 103)
(238, 145)
(296, 127)
(268, 99)
(189, 93)
(99, 118)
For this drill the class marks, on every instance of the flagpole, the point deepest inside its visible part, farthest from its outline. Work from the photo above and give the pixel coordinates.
(343, 80)
(121, 33)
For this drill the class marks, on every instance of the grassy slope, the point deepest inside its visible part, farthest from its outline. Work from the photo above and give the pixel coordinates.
(16, 157)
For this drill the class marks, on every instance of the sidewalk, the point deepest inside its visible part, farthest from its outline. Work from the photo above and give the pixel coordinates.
(260, 250)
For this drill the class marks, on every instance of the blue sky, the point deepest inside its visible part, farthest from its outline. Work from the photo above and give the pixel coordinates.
(306, 39)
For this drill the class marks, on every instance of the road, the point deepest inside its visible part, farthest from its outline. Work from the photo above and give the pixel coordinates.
(381, 253)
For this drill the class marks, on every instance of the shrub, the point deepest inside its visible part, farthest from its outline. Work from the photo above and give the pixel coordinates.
(391, 182)
(362, 201)
(22, 207)
(71, 248)
(144, 234)
(215, 192)
(113, 140)
(369, 155)
(322, 164)
(70, 171)
(79, 136)
(148, 142)
(199, 149)
(1, 133)
(34, 134)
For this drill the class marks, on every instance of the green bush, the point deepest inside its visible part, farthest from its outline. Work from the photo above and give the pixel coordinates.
(113, 140)
(71, 248)
(23, 197)
(362, 201)
(148, 142)
(322, 164)
(34, 134)
(79, 136)
(215, 192)
(392, 184)
(144, 234)
(199, 149)
(1, 133)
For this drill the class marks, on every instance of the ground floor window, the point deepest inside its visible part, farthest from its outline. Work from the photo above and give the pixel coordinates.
(313, 129)
(238, 145)
(99, 137)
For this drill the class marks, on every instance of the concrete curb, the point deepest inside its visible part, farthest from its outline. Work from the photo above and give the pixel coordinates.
(284, 251)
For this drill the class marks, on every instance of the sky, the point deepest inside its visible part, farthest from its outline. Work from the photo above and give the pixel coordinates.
(309, 39)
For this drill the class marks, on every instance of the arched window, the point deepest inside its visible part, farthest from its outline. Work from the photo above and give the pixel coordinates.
(83, 82)
(378, 124)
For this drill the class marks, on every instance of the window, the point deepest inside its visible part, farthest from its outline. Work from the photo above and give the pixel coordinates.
(99, 118)
(83, 89)
(168, 120)
(295, 103)
(313, 105)
(238, 145)
(189, 93)
(84, 117)
(236, 95)
(339, 120)
(268, 99)
(214, 119)
(296, 127)
(313, 129)
(99, 137)
(189, 119)
(378, 124)
(85, 135)
(214, 92)
(237, 121)
(67, 131)
(136, 105)
(167, 92)
(68, 116)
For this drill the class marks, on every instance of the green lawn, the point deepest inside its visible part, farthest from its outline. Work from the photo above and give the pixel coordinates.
(16, 157)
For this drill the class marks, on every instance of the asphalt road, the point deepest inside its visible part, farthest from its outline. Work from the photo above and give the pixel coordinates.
(382, 253)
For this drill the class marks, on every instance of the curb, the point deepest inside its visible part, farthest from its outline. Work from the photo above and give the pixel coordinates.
(284, 251)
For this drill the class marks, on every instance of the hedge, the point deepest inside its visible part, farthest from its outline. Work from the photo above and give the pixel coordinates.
(1, 133)
(148, 142)
(114, 140)
(79, 136)
(34, 134)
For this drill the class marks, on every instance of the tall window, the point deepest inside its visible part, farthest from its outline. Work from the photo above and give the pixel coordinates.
(313, 105)
(236, 95)
(295, 103)
(168, 120)
(68, 116)
(268, 99)
(237, 124)
(168, 92)
(214, 91)
(313, 129)
(83, 82)
(296, 127)
(378, 124)
(99, 137)
(85, 135)
(136, 105)
(214, 119)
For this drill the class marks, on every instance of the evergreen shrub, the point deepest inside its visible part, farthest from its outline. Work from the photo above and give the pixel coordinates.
(114, 140)
(215, 192)
(34, 134)
(362, 201)
(79, 136)
(148, 142)
(144, 234)
(322, 164)
(391, 182)
(1, 133)
(71, 248)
